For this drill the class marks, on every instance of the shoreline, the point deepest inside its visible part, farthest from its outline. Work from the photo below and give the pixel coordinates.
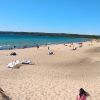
(37, 45)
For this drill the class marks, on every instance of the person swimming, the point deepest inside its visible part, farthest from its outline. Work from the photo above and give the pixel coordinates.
(82, 94)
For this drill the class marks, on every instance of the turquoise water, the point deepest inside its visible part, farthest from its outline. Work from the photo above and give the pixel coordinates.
(8, 41)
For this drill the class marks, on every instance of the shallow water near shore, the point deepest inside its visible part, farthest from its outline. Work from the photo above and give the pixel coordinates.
(8, 41)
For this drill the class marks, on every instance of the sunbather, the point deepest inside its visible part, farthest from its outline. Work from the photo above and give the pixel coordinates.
(13, 54)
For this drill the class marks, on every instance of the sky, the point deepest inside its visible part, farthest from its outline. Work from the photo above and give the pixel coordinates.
(59, 16)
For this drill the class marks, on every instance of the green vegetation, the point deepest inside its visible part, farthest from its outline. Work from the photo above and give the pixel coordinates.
(52, 34)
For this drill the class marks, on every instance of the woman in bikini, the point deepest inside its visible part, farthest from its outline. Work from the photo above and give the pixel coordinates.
(82, 94)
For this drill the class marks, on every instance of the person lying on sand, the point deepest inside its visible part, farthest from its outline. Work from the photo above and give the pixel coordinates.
(13, 54)
(82, 94)
(74, 48)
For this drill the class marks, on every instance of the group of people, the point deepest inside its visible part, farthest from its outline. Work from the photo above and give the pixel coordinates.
(80, 44)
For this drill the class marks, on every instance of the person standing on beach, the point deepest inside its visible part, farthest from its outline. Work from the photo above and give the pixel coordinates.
(82, 94)
(37, 46)
(48, 48)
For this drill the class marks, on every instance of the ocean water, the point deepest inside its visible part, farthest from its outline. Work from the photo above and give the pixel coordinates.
(8, 41)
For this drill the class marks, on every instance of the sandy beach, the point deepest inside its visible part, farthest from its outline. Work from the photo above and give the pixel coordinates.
(52, 77)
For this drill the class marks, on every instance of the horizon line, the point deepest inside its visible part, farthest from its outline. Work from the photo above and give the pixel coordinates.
(51, 32)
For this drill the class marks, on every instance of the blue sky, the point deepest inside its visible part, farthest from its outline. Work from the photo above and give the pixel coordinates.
(69, 16)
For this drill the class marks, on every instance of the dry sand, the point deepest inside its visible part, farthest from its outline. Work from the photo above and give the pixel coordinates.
(52, 77)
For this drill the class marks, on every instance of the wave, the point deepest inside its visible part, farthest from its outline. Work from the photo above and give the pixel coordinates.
(2, 47)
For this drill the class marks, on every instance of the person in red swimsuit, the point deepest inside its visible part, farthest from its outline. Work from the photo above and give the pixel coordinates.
(82, 94)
